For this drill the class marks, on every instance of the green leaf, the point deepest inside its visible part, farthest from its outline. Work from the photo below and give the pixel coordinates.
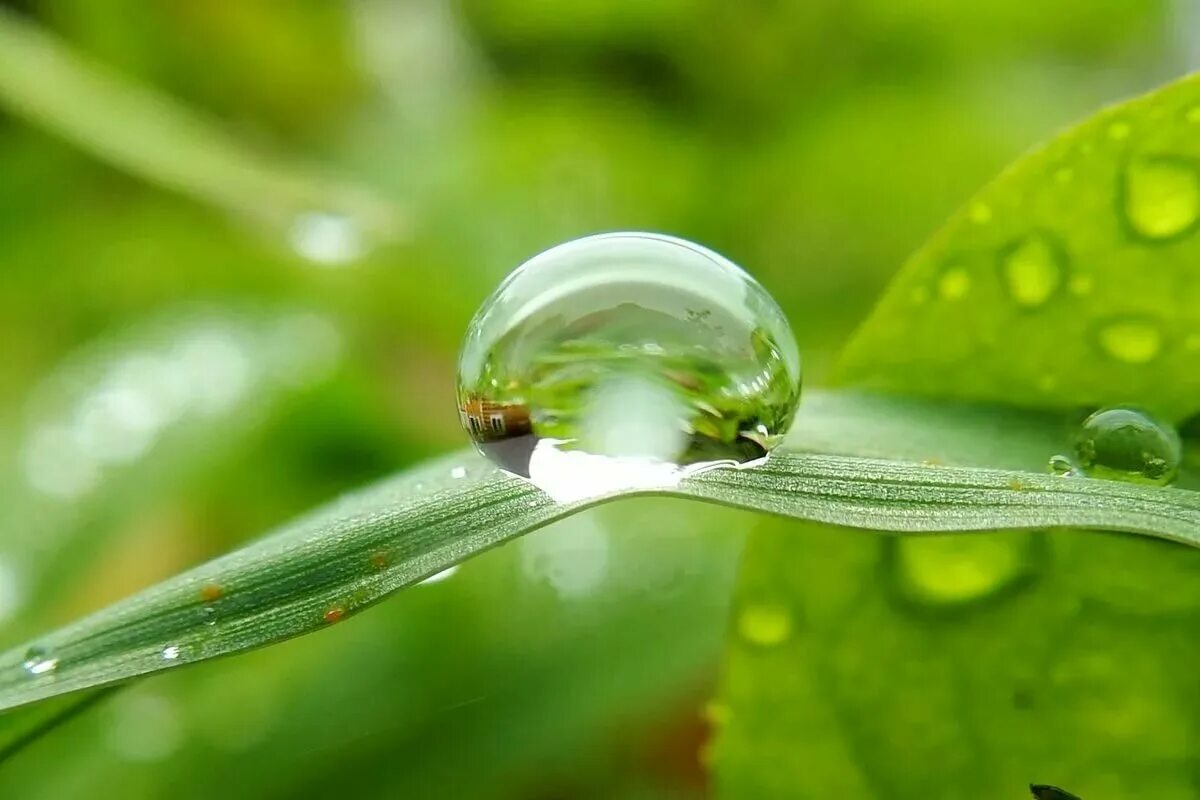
(342, 558)
(974, 666)
(1069, 280)
(163, 141)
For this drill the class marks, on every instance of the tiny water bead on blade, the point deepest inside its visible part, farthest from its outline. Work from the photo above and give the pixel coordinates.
(626, 360)
(1126, 443)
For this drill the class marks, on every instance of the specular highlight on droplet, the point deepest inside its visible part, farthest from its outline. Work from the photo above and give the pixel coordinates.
(626, 360)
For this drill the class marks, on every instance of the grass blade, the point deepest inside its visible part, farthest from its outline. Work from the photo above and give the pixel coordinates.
(358, 550)
(159, 139)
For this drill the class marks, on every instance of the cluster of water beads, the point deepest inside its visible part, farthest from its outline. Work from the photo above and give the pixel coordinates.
(626, 360)
(1157, 203)
(1123, 443)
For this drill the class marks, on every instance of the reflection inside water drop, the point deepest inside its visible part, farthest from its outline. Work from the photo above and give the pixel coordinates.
(624, 361)
(1125, 443)
(1062, 466)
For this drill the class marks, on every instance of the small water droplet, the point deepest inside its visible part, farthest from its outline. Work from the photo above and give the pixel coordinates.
(1119, 131)
(333, 615)
(1032, 269)
(39, 661)
(171, 652)
(1133, 340)
(458, 472)
(765, 624)
(1062, 466)
(1126, 443)
(959, 568)
(980, 213)
(626, 360)
(954, 283)
(208, 615)
(1161, 197)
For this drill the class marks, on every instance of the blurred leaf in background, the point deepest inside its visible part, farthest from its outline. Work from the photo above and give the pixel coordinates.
(817, 144)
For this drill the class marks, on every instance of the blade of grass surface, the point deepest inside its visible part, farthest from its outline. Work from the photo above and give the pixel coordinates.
(357, 550)
(159, 139)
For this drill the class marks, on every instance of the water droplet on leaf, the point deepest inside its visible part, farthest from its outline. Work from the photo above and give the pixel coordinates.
(1062, 466)
(1119, 131)
(949, 570)
(954, 283)
(1125, 443)
(980, 213)
(1032, 269)
(458, 473)
(765, 624)
(171, 652)
(1134, 340)
(1064, 175)
(39, 661)
(1161, 197)
(626, 360)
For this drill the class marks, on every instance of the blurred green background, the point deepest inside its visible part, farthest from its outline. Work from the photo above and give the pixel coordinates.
(196, 348)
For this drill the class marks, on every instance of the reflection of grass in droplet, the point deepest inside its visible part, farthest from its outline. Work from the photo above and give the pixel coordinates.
(558, 384)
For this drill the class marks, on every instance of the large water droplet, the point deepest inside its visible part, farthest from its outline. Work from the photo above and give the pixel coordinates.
(1134, 340)
(39, 660)
(1161, 197)
(626, 360)
(1128, 444)
(1032, 269)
